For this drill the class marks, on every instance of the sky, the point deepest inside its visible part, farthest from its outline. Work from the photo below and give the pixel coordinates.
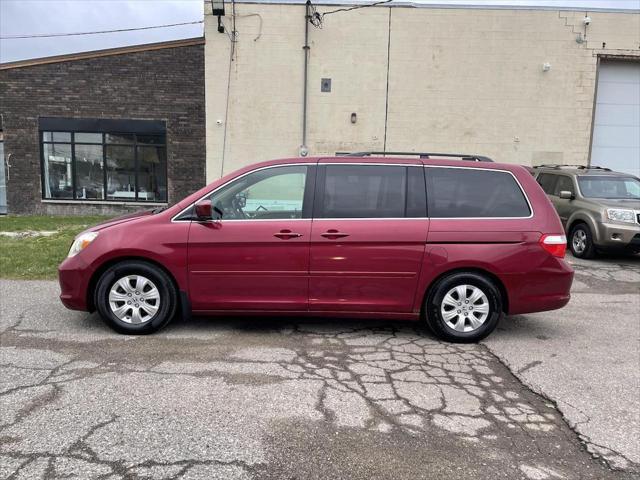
(33, 17)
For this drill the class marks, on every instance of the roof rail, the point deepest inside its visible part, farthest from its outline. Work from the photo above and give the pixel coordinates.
(559, 166)
(462, 156)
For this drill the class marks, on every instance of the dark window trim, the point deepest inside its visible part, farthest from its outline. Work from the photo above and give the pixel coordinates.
(135, 145)
(102, 125)
(426, 193)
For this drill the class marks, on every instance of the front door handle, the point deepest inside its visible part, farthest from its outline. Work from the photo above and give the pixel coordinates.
(286, 234)
(333, 234)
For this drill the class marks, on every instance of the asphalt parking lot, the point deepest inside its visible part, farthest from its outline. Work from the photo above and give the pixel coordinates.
(548, 396)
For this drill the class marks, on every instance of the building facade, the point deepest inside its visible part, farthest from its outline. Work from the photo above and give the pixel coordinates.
(518, 85)
(105, 131)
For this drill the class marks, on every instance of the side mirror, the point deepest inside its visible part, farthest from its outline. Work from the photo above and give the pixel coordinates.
(566, 195)
(203, 210)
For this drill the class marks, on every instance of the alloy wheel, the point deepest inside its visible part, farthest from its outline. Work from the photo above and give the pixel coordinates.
(465, 308)
(134, 299)
(579, 241)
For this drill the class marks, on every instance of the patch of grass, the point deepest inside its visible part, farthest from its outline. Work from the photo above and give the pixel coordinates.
(21, 223)
(38, 257)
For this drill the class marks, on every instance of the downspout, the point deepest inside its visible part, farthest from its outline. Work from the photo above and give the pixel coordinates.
(307, 19)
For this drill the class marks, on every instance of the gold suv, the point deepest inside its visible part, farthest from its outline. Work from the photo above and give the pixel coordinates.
(599, 208)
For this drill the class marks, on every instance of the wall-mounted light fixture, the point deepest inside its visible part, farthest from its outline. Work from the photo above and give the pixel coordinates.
(546, 66)
(217, 9)
(354, 117)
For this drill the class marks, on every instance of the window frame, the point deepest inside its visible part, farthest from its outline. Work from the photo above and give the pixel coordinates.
(104, 144)
(320, 190)
(522, 190)
(312, 185)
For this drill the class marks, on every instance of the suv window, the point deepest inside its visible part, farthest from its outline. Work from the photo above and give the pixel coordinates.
(463, 192)
(563, 183)
(272, 193)
(548, 182)
(371, 191)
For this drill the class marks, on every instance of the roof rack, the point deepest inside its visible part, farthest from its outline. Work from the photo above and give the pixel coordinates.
(462, 156)
(558, 166)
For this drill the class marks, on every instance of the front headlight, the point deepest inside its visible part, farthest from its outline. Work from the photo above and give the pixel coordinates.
(620, 215)
(81, 242)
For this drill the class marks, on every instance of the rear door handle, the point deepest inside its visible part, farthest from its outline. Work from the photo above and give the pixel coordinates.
(333, 234)
(286, 234)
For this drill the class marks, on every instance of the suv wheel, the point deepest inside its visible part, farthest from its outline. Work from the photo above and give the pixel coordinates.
(581, 242)
(463, 307)
(136, 298)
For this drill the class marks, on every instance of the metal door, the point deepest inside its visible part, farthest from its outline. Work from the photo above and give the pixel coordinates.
(616, 129)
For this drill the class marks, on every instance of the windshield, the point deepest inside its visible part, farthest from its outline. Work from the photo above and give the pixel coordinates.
(609, 187)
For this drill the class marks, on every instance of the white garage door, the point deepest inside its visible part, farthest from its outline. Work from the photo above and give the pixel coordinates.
(616, 130)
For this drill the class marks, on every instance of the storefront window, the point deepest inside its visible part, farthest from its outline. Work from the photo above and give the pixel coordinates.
(104, 166)
(58, 171)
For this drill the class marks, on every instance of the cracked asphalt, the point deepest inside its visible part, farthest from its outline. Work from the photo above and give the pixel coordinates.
(548, 396)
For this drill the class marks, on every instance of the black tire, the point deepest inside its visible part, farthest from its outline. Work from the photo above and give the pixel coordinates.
(584, 232)
(434, 304)
(168, 297)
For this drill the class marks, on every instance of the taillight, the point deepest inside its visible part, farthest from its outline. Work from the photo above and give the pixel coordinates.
(556, 245)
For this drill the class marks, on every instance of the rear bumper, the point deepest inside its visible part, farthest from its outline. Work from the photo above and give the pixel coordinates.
(546, 287)
(617, 236)
(74, 275)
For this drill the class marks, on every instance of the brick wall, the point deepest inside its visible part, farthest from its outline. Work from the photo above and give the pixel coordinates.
(163, 84)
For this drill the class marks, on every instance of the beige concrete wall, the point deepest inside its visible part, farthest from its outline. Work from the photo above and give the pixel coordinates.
(459, 80)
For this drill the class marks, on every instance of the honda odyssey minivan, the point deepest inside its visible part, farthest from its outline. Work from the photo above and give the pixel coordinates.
(455, 242)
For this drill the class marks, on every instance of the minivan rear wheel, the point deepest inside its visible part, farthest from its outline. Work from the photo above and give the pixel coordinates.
(136, 298)
(463, 307)
(581, 241)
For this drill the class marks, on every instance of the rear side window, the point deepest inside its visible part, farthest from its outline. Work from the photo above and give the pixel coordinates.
(370, 191)
(460, 193)
(548, 182)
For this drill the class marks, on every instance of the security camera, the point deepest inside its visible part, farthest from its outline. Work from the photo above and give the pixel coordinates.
(586, 20)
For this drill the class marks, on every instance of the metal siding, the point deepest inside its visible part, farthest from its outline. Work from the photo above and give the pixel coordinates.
(616, 132)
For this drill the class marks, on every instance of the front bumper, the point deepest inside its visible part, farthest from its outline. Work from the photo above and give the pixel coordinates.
(615, 235)
(74, 276)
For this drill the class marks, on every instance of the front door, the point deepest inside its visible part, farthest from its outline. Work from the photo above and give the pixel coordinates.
(368, 237)
(564, 206)
(256, 257)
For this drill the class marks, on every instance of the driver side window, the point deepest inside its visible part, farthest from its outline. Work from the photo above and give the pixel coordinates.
(272, 193)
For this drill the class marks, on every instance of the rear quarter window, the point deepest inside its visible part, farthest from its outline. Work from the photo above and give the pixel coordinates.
(548, 182)
(474, 193)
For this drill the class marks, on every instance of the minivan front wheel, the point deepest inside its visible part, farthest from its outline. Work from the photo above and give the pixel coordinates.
(463, 307)
(135, 297)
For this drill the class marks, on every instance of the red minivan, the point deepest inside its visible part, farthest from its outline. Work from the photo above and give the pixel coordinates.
(453, 241)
